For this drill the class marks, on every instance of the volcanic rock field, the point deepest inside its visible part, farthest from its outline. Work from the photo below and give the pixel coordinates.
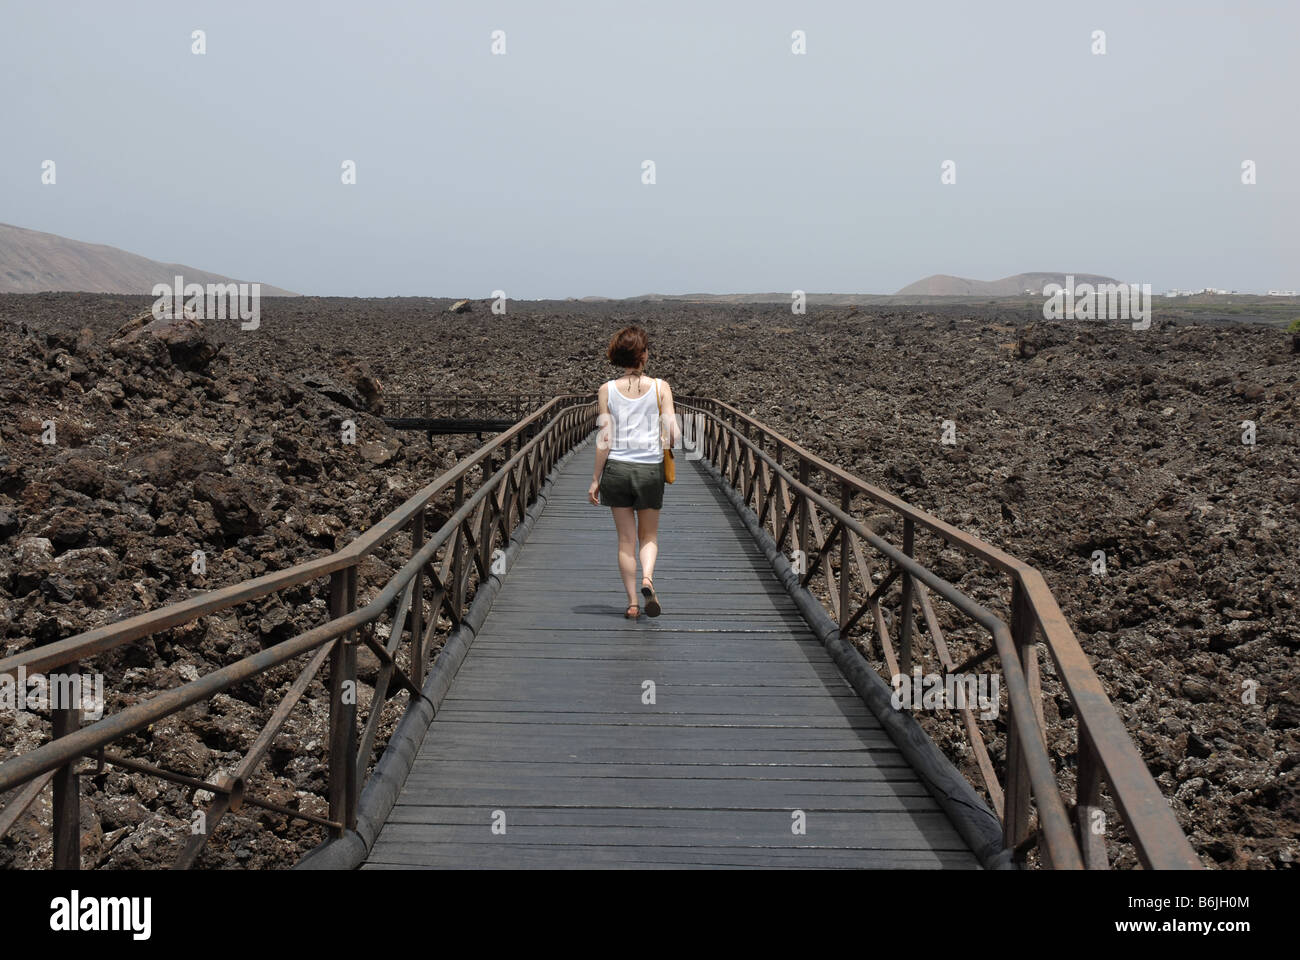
(1070, 438)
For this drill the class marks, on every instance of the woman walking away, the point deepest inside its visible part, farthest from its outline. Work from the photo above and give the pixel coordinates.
(636, 423)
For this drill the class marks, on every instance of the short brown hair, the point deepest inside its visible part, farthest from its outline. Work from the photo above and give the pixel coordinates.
(627, 347)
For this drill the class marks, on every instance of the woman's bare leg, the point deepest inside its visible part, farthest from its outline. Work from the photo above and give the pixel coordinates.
(625, 523)
(647, 522)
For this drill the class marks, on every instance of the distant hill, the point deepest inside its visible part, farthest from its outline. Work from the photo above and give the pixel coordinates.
(942, 285)
(35, 262)
(930, 290)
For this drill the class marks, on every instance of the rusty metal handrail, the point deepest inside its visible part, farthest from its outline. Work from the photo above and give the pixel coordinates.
(735, 443)
(489, 513)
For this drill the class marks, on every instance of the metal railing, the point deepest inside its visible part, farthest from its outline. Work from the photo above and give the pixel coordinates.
(779, 480)
(439, 577)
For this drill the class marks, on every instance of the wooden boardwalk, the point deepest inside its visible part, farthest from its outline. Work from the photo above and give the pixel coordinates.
(545, 725)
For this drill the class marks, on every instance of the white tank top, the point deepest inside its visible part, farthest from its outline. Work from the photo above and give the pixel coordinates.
(634, 426)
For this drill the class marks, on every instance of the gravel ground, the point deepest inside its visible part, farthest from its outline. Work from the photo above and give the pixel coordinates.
(1071, 438)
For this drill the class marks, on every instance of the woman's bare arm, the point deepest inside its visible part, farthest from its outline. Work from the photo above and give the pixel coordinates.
(673, 429)
(602, 441)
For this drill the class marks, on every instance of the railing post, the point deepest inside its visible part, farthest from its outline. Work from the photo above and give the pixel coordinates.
(805, 517)
(1015, 825)
(1015, 801)
(745, 486)
(343, 706)
(1023, 629)
(66, 719)
(905, 629)
(845, 495)
(457, 592)
(737, 478)
(417, 602)
(778, 501)
(1092, 844)
(485, 531)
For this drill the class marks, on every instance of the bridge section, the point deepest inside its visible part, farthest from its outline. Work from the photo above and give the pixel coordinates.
(720, 734)
(536, 717)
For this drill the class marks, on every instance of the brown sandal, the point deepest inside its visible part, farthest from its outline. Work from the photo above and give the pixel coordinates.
(652, 608)
(632, 613)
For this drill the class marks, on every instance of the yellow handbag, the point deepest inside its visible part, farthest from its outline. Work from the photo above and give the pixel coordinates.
(670, 468)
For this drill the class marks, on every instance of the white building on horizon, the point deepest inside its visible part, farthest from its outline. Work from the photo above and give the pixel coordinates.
(1220, 292)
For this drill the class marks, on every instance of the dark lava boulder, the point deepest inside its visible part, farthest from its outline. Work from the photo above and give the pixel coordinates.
(175, 460)
(68, 528)
(9, 524)
(333, 390)
(357, 374)
(236, 509)
(82, 471)
(185, 340)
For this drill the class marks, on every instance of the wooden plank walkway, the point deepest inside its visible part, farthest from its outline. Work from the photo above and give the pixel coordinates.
(545, 721)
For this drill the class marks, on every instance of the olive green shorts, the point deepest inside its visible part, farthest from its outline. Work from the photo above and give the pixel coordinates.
(636, 485)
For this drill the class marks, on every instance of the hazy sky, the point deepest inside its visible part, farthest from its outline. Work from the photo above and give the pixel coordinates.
(774, 171)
